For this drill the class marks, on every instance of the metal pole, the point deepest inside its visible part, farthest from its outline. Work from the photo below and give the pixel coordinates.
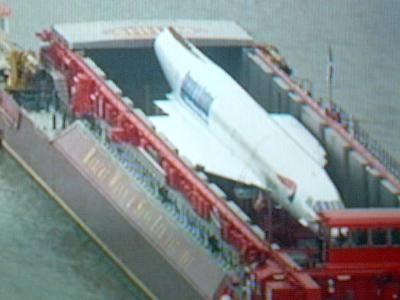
(270, 220)
(64, 120)
(330, 74)
(54, 120)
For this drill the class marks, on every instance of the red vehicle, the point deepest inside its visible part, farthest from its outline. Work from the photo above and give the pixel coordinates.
(351, 264)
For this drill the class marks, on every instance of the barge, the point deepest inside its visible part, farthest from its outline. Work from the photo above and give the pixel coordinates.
(82, 130)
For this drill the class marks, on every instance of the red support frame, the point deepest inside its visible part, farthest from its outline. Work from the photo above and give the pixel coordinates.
(91, 97)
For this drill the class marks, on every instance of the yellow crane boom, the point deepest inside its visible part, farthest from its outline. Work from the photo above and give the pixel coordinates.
(19, 66)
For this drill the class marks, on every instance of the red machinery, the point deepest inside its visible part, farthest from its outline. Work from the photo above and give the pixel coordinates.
(364, 261)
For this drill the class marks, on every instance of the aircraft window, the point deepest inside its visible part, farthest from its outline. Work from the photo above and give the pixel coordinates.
(317, 206)
(320, 206)
(359, 237)
(338, 205)
(395, 236)
(379, 237)
(196, 95)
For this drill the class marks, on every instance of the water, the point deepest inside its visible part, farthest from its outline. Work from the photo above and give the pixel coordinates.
(46, 256)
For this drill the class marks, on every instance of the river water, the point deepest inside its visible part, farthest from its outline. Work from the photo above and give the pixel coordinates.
(46, 254)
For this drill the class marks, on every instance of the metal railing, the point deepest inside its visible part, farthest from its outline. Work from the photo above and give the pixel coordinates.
(205, 233)
(377, 150)
(353, 126)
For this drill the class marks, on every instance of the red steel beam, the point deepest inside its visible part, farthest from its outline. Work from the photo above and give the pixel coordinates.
(91, 96)
(85, 85)
(371, 160)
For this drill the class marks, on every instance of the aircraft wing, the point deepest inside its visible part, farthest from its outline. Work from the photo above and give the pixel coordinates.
(192, 137)
(301, 136)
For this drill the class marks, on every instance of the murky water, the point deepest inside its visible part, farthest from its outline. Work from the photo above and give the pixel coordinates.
(46, 256)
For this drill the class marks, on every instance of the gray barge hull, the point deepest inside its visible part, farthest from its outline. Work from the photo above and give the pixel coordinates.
(100, 195)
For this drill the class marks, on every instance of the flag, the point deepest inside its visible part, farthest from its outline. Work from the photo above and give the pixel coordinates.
(330, 69)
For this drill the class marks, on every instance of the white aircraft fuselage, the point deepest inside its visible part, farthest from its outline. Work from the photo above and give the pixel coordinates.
(214, 122)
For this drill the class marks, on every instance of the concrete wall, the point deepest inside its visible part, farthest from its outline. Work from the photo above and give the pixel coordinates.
(358, 180)
(359, 185)
(257, 81)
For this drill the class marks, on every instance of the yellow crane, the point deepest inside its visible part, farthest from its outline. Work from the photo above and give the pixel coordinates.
(18, 66)
(23, 66)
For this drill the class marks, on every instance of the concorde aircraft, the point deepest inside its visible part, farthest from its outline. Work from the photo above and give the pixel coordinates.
(215, 123)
